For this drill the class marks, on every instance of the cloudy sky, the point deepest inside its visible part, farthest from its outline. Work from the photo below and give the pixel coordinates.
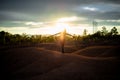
(41, 16)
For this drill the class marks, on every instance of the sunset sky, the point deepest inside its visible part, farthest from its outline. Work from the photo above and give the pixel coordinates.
(50, 16)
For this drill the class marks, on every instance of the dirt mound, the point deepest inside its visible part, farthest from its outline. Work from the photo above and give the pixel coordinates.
(57, 47)
(99, 51)
(41, 64)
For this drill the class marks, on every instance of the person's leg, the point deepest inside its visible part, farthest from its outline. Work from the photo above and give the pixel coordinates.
(62, 48)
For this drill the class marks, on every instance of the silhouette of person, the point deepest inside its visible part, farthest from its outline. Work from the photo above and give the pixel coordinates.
(62, 39)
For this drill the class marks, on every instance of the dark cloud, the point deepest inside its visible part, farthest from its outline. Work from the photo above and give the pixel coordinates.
(24, 5)
(12, 24)
(104, 16)
(15, 16)
(45, 10)
(109, 16)
(113, 1)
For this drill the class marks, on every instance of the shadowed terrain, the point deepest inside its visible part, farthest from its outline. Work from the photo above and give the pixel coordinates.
(48, 63)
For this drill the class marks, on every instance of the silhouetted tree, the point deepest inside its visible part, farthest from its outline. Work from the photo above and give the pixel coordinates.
(104, 31)
(97, 34)
(2, 37)
(114, 31)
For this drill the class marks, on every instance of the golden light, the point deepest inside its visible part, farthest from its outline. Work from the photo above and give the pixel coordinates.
(67, 19)
(62, 23)
(62, 26)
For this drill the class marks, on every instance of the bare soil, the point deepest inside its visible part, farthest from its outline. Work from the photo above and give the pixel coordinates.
(46, 62)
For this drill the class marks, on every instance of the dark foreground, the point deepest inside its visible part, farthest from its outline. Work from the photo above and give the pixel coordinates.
(34, 63)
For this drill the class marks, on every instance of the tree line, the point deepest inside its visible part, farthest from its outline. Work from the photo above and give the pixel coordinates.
(7, 38)
(104, 35)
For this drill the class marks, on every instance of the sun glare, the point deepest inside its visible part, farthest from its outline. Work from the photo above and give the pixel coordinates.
(62, 26)
(67, 19)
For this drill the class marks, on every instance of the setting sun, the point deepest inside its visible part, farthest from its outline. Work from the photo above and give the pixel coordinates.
(62, 26)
